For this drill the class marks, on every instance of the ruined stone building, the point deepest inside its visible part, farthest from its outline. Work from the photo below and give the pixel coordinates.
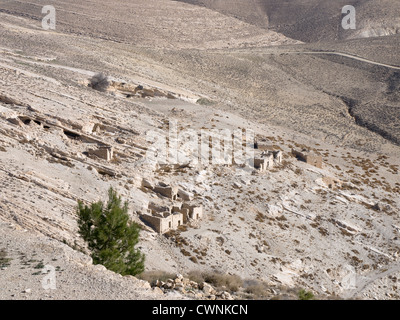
(170, 192)
(308, 157)
(104, 152)
(166, 191)
(267, 160)
(264, 162)
(163, 219)
(162, 224)
(278, 157)
(195, 211)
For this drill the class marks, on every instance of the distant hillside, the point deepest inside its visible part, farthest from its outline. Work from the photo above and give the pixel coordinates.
(313, 20)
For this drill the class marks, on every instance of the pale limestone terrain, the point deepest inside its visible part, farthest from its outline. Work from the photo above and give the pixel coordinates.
(284, 226)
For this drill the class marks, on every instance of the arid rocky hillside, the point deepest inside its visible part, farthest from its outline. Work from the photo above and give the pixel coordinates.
(313, 20)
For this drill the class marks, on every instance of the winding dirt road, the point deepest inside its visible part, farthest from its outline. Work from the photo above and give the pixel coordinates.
(341, 54)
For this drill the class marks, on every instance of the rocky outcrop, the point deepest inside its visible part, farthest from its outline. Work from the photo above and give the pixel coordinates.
(192, 289)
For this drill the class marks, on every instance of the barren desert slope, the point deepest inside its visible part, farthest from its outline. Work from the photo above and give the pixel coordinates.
(288, 227)
(312, 20)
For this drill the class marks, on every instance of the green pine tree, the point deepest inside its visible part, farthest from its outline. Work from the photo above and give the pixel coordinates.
(110, 235)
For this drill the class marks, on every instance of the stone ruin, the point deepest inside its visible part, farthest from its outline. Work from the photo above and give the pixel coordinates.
(308, 157)
(166, 191)
(130, 90)
(268, 160)
(163, 224)
(171, 192)
(267, 156)
(104, 152)
(165, 218)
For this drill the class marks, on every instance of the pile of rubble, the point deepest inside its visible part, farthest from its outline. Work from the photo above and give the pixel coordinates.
(195, 290)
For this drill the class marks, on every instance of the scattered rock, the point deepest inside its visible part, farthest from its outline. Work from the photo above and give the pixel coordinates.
(100, 267)
(158, 291)
(147, 184)
(144, 284)
(207, 288)
(179, 276)
(274, 210)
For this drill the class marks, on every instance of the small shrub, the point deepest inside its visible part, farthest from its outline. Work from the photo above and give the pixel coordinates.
(193, 259)
(258, 290)
(40, 265)
(99, 82)
(185, 253)
(218, 280)
(260, 217)
(231, 282)
(205, 102)
(4, 260)
(305, 295)
(196, 276)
